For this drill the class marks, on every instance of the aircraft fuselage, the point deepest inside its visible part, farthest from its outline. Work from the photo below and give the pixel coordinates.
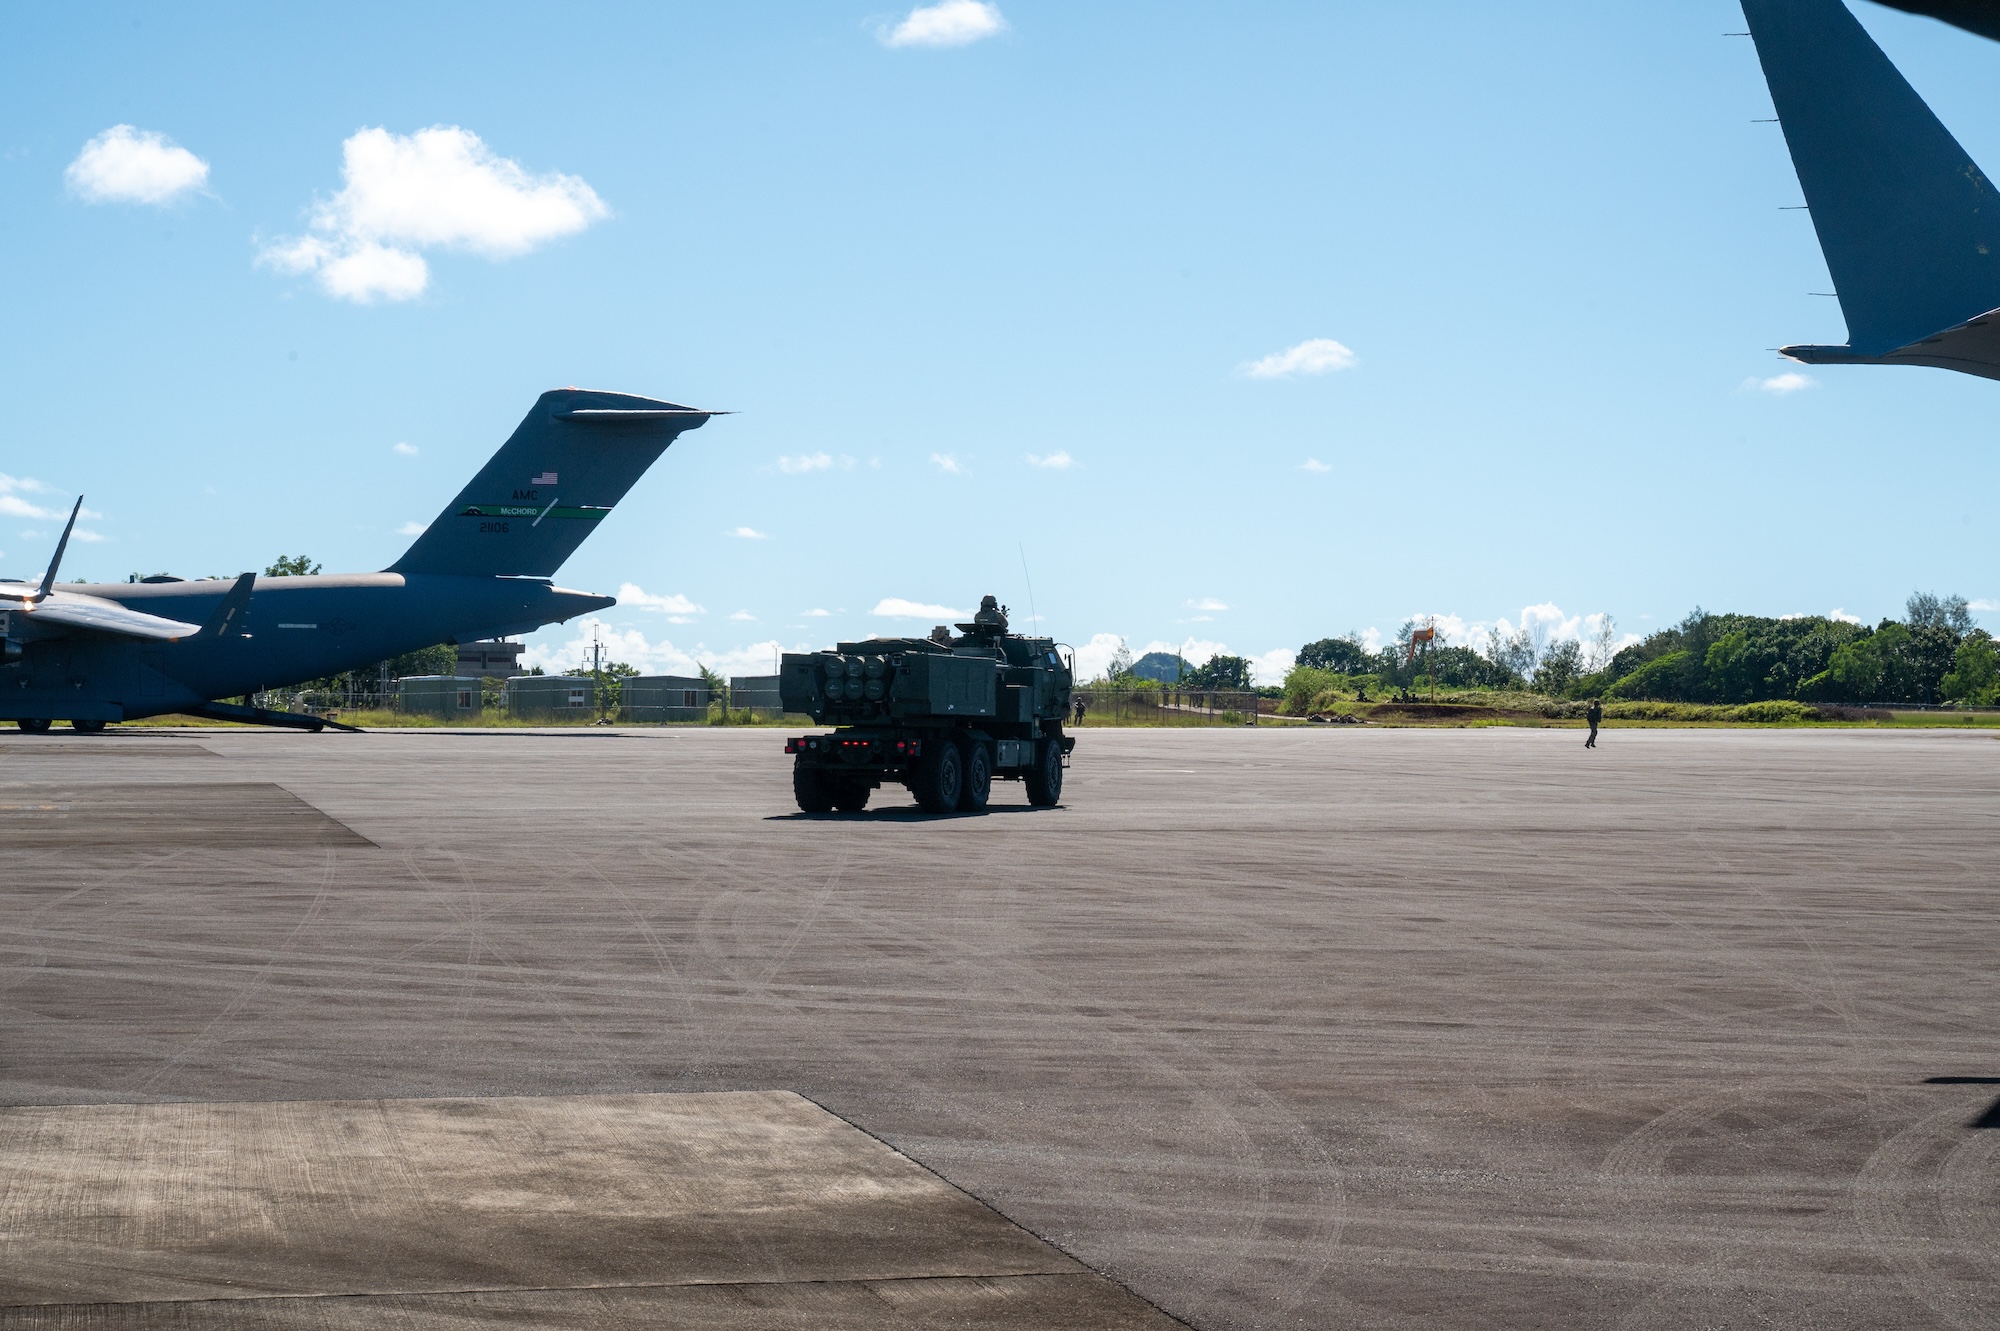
(294, 629)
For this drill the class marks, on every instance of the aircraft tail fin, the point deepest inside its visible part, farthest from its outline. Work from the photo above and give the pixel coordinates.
(228, 617)
(1909, 225)
(551, 483)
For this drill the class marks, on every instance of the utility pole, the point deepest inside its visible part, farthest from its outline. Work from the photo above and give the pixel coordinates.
(597, 672)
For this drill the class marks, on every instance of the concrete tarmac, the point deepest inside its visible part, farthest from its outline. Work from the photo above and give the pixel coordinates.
(597, 1213)
(1340, 1027)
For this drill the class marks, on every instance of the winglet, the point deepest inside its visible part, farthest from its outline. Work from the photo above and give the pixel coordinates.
(228, 616)
(49, 578)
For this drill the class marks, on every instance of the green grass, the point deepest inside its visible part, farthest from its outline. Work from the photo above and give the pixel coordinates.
(1156, 718)
(1943, 720)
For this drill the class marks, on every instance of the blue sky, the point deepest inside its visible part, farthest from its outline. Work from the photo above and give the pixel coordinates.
(1546, 239)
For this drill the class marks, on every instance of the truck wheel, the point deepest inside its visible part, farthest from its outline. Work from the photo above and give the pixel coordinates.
(811, 788)
(34, 725)
(978, 785)
(941, 777)
(1044, 780)
(851, 795)
(87, 727)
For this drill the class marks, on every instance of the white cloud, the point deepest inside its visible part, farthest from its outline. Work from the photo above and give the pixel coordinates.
(407, 450)
(750, 534)
(439, 188)
(1056, 461)
(1371, 640)
(895, 607)
(1195, 651)
(1450, 628)
(818, 614)
(14, 506)
(1314, 464)
(945, 462)
(652, 658)
(362, 272)
(86, 535)
(1983, 604)
(1791, 381)
(803, 462)
(1267, 668)
(677, 608)
(947, 23)
(1546, 623)
(1208, 603)
(1318, 355)
(744, 617)
(1093, 658)
(411, 529)
(125, 164)
(1272, 666)
(1843, 616)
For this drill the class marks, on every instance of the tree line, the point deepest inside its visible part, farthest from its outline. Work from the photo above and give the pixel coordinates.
(1934, 654)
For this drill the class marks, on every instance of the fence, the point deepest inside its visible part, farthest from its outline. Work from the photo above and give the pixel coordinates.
(545, 699)
(1168, 707)
(663, 698)
(757, 695)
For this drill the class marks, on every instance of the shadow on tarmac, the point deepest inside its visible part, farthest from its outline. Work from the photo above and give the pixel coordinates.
(909, 814)
(1989, 1119)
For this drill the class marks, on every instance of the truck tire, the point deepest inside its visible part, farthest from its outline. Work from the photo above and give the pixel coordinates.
(812, 788)
(850, 794)
(87, 727)
(1044, 779)
(34, 725)
(978, 785)
(940, 777)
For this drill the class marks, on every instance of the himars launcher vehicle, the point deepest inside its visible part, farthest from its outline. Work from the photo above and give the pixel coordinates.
(944, 716)
(92, 654)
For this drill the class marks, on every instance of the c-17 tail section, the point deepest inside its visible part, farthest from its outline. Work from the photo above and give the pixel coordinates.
(1909, 224)
(1980, 16)
(551, 483)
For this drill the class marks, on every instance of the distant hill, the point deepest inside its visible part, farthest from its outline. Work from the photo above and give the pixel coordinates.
(1163, 666)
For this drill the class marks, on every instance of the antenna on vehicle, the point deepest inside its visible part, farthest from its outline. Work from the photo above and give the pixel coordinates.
(1033, 618)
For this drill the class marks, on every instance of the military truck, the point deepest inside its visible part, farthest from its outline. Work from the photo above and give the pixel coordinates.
(945, 716)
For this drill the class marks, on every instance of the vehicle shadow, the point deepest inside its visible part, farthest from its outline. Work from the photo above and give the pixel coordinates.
(902, 813)
(1989, 1119)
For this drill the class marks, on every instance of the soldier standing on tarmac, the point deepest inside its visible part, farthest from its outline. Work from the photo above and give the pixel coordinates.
(1079, 711)
(1594, 714)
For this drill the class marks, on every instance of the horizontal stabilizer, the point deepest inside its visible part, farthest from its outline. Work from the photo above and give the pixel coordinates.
(551, 483)
(1972, 347)
(1980, 16)
(264, 716)
(77, 611)
(614, 415)
(1909, 224)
